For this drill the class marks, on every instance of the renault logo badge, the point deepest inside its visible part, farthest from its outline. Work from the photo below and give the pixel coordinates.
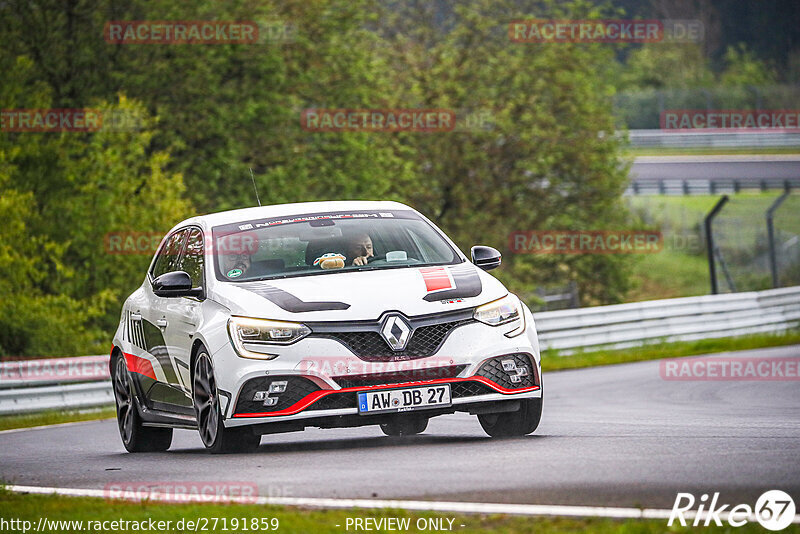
(396, 332)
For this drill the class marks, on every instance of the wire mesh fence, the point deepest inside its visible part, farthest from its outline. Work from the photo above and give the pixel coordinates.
(786, 224)
(742, 251)
(743, 257)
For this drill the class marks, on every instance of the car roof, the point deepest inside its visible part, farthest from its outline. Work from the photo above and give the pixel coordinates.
(281, 210)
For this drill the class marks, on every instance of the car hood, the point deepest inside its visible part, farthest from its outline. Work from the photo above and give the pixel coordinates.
(364, 295)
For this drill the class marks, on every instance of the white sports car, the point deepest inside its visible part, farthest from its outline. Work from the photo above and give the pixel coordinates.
(324, 314)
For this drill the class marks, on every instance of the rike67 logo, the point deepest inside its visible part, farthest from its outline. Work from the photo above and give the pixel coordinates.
(774, 510)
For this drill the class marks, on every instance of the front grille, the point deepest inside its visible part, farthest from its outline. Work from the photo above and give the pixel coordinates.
(460, 390)
(299, 387)
(335, 401)
(349, 399)
(370, 346)
(493, 370)
(296, 389)
(399, 377)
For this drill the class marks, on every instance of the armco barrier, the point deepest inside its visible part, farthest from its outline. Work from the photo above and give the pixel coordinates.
(58, 397)
(714, 139)
(54, 384)
(74, 383)
(681, 319)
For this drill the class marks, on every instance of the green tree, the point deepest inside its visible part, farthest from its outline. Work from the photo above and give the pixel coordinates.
(60, 195)
(743, 68)
(549, 159)
(666, 66)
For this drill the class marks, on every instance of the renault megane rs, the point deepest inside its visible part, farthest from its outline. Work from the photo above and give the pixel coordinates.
(326, 314)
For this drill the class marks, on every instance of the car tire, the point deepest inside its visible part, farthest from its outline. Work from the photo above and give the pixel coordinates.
(405, 426)
(135, 436)
(519, 423)
(205, 398)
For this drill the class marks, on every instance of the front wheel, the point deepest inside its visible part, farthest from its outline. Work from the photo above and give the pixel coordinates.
(205, 397)
(519, 423)
(135, 436)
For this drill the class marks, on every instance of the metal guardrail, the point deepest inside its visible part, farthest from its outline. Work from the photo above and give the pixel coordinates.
(58, 397)
(714, 139)
(681, 319)
(54, 384)
(83, 382)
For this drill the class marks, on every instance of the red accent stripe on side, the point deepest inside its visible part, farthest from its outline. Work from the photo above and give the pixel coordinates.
(142, 366)
(435, 278)
(311, 398)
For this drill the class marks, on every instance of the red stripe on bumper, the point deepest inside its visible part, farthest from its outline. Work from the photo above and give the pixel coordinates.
(311, 398)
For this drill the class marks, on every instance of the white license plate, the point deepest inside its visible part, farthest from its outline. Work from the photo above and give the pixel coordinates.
(403, 400)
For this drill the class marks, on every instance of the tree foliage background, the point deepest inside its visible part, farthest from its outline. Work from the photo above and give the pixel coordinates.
(205, 114)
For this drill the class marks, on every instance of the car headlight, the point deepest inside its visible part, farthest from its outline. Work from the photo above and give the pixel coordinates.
(253, 337)
(505, 311)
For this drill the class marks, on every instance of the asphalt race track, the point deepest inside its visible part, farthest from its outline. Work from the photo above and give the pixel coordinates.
(611, 436)
(716, 167)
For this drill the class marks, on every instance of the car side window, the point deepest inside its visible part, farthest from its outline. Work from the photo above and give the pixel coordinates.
(170, 254)
(192, 259)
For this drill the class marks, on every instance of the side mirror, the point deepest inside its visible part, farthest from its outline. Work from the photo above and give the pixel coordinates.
(175, 284)
(486, 258)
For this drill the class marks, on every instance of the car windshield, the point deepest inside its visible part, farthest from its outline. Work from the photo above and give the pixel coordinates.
(323, 243)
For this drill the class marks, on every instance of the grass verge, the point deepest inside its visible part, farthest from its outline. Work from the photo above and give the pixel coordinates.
(552, 361)
(231, 518)
(8, 422)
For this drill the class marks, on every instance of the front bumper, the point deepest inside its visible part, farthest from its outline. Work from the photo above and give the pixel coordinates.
(304, 398)
(333, 379)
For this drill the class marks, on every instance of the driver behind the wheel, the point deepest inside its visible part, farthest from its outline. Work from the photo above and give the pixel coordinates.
(359, 249)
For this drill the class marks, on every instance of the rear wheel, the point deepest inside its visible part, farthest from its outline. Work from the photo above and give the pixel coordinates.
(205, 396)
(519, 423)
(405, 425)
(135, 436)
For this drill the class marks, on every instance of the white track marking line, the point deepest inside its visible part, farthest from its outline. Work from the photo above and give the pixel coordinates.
(427, 506)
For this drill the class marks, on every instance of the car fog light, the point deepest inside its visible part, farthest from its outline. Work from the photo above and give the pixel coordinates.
(515, 372)
(270, 401)
(278, 387)
(260, 395)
